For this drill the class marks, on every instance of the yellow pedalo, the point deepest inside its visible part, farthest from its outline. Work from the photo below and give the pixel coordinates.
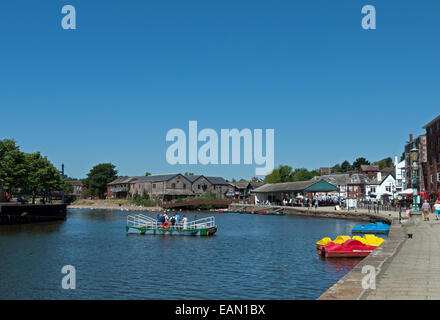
(338, 240)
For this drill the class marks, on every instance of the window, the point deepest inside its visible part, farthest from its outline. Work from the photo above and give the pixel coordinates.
(432, 178)
(373, 189)
(184, 186)
(154, 186)
(438, 176)
(173, 186)
(388, 188)
(198, 186)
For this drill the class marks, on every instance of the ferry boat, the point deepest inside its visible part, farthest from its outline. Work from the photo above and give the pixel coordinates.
(143, 224)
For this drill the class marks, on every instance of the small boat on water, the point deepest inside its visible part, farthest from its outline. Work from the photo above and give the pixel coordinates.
(378, 227)
(277, 212)
(368, 239)
(143, 224)
(349, 249)
(326, 240)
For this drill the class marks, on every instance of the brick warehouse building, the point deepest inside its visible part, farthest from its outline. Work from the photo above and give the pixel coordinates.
(433, 155)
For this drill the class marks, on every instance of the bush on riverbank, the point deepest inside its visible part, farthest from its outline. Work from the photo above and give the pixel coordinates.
(143, 200)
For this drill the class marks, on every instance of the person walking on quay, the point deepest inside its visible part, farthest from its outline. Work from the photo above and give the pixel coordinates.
(426, 208)
(437, 209)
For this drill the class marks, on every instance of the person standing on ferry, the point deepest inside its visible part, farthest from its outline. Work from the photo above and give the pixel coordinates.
(185, 222)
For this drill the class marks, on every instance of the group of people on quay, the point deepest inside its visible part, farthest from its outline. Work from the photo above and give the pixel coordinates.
(315, 201)
(175, 221)
(426, 209)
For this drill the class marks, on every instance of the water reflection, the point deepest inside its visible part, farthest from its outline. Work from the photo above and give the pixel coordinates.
(32, 228)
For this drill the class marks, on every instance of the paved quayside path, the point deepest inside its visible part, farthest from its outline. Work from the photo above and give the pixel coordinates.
(414, 271)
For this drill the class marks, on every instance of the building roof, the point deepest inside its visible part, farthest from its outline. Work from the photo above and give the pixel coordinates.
(156, 177)
(217, 180)
(297, 186)
(375, 181)
(240, 184)
(343, 179)
(431, 122)
(387, 171)
(193, 178)
(120, 180)
(369, 167)
(256, 184)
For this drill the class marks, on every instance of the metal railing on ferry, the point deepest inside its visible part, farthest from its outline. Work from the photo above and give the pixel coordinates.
(144, 221)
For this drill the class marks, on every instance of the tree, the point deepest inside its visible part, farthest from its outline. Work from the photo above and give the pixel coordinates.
(358, 162)
(345, 166)
(68, 187)
(337, 168)
(12, 165)
(285, 174)
(385, 163)
(98, 178)
(402, 157)
(303, 174)
(35, 165)
(281, 174)
(147, 174)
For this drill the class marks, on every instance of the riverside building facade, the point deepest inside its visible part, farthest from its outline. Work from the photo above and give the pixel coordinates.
(433, 156)
(166, 187)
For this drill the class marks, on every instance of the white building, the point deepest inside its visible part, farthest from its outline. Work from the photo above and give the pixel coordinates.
(400, 175)
(381, 188)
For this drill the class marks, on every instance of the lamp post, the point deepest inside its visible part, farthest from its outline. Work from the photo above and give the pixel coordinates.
(414, 155)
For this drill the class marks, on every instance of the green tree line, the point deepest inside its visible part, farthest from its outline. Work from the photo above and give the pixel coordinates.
(285, 174)
(345, 166)
(29, 171)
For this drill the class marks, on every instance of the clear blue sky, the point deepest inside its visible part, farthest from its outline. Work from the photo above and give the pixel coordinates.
(110, 90)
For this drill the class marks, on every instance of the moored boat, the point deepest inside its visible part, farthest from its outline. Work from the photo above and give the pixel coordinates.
(349, 249)
(326, 240)
(143, 224)
(368, 239)
(378, 227)
(277, 212)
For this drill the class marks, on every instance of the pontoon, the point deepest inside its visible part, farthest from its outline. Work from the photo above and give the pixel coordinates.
(143, 224)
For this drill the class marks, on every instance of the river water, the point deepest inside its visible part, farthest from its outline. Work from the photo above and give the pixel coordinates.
(250, 257)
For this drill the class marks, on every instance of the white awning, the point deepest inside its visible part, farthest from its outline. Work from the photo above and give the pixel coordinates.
(406, 191)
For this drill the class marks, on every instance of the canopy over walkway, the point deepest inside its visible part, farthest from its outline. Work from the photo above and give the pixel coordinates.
(297, 187)
(277, 191)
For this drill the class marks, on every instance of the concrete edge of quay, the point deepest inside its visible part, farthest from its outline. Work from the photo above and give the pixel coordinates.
(323, 212)
(350, 286)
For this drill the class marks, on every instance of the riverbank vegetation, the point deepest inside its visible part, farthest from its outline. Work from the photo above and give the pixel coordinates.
(143, 200)
(285, 174)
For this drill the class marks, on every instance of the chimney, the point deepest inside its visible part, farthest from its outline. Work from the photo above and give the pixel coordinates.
(379, 176)
(410, 137)
(395, 161)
